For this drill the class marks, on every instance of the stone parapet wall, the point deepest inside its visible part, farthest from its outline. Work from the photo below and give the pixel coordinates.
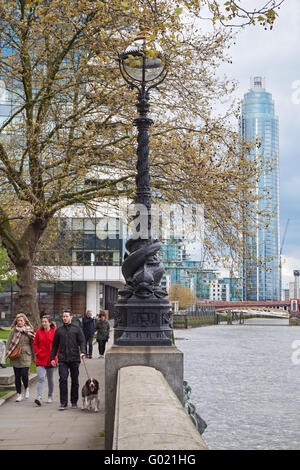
(148, 414)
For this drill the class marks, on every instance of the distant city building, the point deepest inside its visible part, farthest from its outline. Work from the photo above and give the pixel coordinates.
(190, 273)
(295, 294)
(261, 273)
(285, 294)
(226, 289)
(294, 291)
(235, 288)
(179, 269)
(219, 291)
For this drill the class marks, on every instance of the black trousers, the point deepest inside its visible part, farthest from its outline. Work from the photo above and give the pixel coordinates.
(89, 342)
(64, 368)
(21, 375)
(101, 346)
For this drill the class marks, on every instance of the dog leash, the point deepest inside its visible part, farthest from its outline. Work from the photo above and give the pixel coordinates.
(88, 376)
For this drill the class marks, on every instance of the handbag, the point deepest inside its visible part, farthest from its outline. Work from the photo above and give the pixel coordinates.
(16, 353)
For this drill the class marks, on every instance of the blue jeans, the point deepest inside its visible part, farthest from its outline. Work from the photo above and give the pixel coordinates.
(41, 372)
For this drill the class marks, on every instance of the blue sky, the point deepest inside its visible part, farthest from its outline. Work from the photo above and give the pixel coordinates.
(275, 55)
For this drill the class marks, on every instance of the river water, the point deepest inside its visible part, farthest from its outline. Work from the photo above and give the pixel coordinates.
(245, 382)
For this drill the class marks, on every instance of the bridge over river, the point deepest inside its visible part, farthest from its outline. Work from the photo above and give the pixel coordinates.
(269, 304)
(266, 312)
(214, 312)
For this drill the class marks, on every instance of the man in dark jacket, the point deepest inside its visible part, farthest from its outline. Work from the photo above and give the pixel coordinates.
(88, 327)
(70, 343)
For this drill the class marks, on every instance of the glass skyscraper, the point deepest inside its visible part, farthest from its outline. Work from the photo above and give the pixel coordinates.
(261, 260)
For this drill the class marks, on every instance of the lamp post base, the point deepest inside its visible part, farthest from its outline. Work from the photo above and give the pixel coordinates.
(142, 322)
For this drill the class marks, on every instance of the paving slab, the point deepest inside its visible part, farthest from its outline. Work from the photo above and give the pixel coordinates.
(25, 426)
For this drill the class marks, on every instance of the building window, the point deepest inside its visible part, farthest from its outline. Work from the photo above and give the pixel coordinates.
(55, 297)
(88, 242)
(46, 297)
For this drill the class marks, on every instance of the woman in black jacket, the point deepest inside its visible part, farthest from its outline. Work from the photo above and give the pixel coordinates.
(102, 333)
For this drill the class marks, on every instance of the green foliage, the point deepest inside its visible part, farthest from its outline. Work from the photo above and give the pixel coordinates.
(5, 392)
(4, 333)
(236, 13)
(5, 276)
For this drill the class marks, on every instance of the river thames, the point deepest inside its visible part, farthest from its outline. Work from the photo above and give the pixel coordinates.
(245, 382)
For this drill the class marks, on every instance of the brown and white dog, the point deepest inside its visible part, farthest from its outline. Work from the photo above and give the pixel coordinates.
(90, 395)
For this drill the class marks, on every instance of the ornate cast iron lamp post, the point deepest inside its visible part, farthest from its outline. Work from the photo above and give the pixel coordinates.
(142, 312)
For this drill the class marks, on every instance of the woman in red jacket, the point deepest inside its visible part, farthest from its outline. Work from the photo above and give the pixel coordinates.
(42, 347)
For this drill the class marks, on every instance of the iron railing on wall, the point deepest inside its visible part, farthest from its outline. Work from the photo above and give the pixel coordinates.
(195, 315)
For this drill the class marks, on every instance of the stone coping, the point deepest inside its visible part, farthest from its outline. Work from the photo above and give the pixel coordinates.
(148, 414)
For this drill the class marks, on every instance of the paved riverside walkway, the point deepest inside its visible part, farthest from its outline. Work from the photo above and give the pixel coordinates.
(25, 426)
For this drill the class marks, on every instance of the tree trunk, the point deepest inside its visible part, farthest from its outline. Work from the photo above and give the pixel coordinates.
(21, 252)
(27, 301)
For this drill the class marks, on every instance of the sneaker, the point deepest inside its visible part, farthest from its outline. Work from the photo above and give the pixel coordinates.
(26, 393)
(38, 401)
(20, 398)
(74, 406)
(50, 400)
(62, 407)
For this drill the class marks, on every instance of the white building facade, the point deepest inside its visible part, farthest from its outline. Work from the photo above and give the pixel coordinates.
(219, 291)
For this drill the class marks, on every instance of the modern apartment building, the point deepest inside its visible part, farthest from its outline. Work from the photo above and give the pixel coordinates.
(261, 273)
(206, 283)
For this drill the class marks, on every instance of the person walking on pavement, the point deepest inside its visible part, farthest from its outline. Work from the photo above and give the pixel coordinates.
(21, 335)
(102, 333)
(88, 327)
(69, 342)
(42, 345)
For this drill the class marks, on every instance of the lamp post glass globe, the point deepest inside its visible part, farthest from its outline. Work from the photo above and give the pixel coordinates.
(143, 62)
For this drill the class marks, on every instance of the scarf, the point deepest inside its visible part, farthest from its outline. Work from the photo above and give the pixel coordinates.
(27, 330)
